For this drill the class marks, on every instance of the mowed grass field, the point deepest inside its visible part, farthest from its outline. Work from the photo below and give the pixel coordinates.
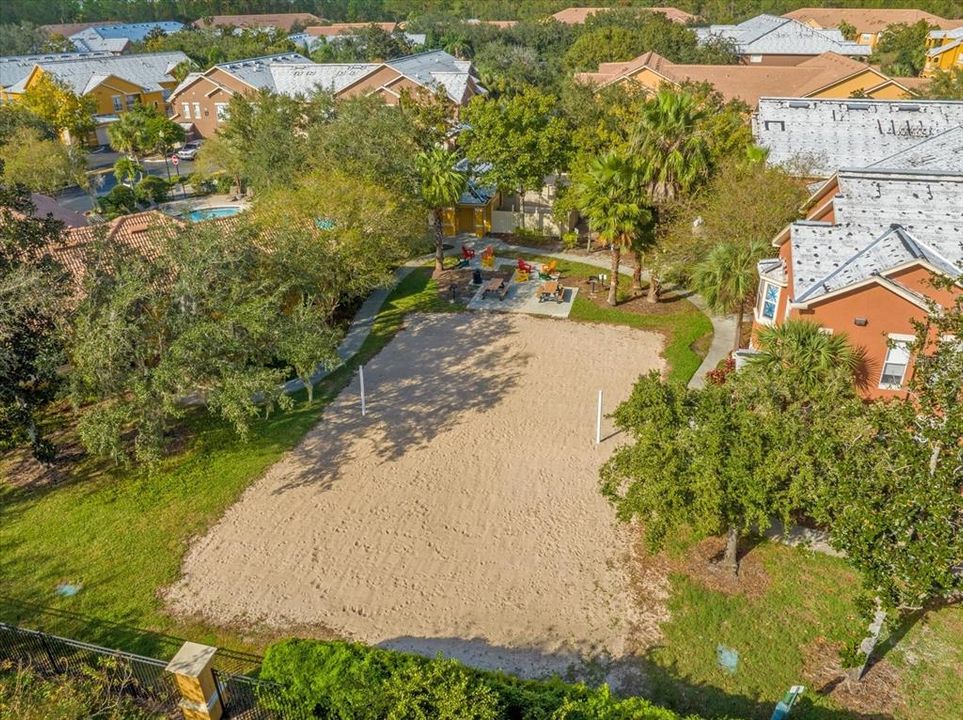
(121, 533)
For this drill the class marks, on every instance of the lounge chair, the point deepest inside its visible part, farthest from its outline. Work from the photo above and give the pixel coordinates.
(549, 271)
(551, 290)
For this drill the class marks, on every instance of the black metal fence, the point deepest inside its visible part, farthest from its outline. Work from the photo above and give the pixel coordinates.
(145, 678)
(141, 677)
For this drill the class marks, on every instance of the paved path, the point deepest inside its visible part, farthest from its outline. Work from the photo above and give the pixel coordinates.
(723, 326)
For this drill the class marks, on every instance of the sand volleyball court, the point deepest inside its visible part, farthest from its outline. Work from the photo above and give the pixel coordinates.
(460, 516)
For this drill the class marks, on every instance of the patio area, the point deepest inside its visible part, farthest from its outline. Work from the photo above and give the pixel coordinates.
(521, 297)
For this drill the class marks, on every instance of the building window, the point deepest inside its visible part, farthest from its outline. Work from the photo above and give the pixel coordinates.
(131, 101)
(755, 58)
(118, 103)
(774, 124)
(768, 300)
(197, 111)
(222, 112)
(896, 362)
(186, 111)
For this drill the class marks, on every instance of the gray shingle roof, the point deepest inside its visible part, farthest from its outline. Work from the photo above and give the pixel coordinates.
(14, 68)
(256, 71)
(135, 32)
(883, 219)
(825, 135)
(147, 70)
(771, 35)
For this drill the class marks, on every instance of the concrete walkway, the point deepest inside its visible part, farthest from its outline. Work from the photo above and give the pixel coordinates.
(723, 326)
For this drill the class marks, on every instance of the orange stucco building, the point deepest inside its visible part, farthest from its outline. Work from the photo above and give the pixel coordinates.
(202, 98)
(863, 260)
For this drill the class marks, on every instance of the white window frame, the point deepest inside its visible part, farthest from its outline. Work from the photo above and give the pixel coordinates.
(902, 344)
(118, 101)
(755, 58)
(221, 111)
(761, 301)
(197, 111)
(186, 111)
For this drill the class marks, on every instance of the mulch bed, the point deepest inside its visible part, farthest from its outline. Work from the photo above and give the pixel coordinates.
(703, 563)
(875, 696)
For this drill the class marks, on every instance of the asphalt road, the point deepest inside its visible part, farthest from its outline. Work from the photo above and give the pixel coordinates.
(99, 169)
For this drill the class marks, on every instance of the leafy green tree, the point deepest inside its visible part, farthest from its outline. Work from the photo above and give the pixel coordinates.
(727, 278)
(522, 136)
(41, 165)
(901, 49)
(366, 44)
(607, 196)
(14, 116)
(441, 186)
(429, 115)
(33, 293)
(848, 30)
(700, 459)
(23, 38)
(800, 348)
(672, 152)
(945, 85)
(55, 103)
(222, 155)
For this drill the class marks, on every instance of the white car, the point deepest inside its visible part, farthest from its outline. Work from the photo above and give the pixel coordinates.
(189, 151)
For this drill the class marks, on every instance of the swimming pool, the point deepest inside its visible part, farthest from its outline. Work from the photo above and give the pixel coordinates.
(210, 213)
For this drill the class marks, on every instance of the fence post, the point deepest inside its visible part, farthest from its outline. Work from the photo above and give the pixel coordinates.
(194, 678)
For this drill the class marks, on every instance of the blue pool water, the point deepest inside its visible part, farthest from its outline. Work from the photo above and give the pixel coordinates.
(212, 212)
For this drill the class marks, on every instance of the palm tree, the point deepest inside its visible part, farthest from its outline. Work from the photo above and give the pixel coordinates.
(127, 134)
(727, 278)
(809, 353)
(441, 186)
(127, 170)
(671, 152)
(606, 196)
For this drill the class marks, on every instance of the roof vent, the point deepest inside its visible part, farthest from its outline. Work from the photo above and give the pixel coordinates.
(908, 108)
(799, 104)
(857, 106)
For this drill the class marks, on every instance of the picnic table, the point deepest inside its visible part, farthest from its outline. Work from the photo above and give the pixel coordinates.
(551, 290)
(497, 286)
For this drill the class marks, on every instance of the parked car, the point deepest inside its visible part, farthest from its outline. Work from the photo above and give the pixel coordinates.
(189, 151)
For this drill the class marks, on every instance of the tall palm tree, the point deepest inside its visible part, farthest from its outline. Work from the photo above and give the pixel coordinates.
(606, 195)
(801, 347)
(127, 170)
(727, 278)
(671, 151)
(441, 186)
(128, 134)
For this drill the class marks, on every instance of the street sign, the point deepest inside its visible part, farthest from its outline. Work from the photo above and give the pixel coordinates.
(175, 160)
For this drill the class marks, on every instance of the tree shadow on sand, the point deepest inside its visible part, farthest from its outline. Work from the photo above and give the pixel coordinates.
(435, 372)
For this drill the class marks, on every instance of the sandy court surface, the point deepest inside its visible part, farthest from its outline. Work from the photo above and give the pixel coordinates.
(460, 516)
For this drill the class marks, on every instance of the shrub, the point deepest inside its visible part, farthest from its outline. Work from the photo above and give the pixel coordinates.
(570, 240)
(121, 200)
(152, 189)
(201, 184)
(347, 681)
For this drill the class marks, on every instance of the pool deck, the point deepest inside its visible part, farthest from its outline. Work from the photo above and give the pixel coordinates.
(181, 207)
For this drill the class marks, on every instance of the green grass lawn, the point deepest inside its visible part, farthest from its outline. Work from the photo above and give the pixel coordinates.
(121, 533)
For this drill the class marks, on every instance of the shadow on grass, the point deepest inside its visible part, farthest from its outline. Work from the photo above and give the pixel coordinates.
(630, 676)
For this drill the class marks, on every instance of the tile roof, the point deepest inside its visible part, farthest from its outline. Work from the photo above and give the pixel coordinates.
(578, 15)
(45, 205)
(68, 29)
(146, 70)
(744, 82)
(773, 35)
(867, 20)
(827, 134)
(14, 68)
(347, 28)
(283, 21)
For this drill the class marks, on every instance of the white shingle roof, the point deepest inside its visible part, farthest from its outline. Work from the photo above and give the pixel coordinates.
(883, 218)
(14, 68)
(303, 79)
(257, 71)
(827, 134)
(771, 35)
(135, 32)
(147, 70)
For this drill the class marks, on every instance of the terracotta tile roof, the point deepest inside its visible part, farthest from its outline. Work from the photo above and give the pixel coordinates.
(346, 28)
(867, 20)
(68, 29)
(578, 15)
(743, 82)
(282, 21)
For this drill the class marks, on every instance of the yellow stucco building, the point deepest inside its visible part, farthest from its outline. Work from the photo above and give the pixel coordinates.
(115, 82)
(944, 51)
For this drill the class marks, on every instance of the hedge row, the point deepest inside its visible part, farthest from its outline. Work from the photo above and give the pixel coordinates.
(347, 681)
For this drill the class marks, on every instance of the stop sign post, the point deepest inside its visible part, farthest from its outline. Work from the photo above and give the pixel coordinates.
(175, 160)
